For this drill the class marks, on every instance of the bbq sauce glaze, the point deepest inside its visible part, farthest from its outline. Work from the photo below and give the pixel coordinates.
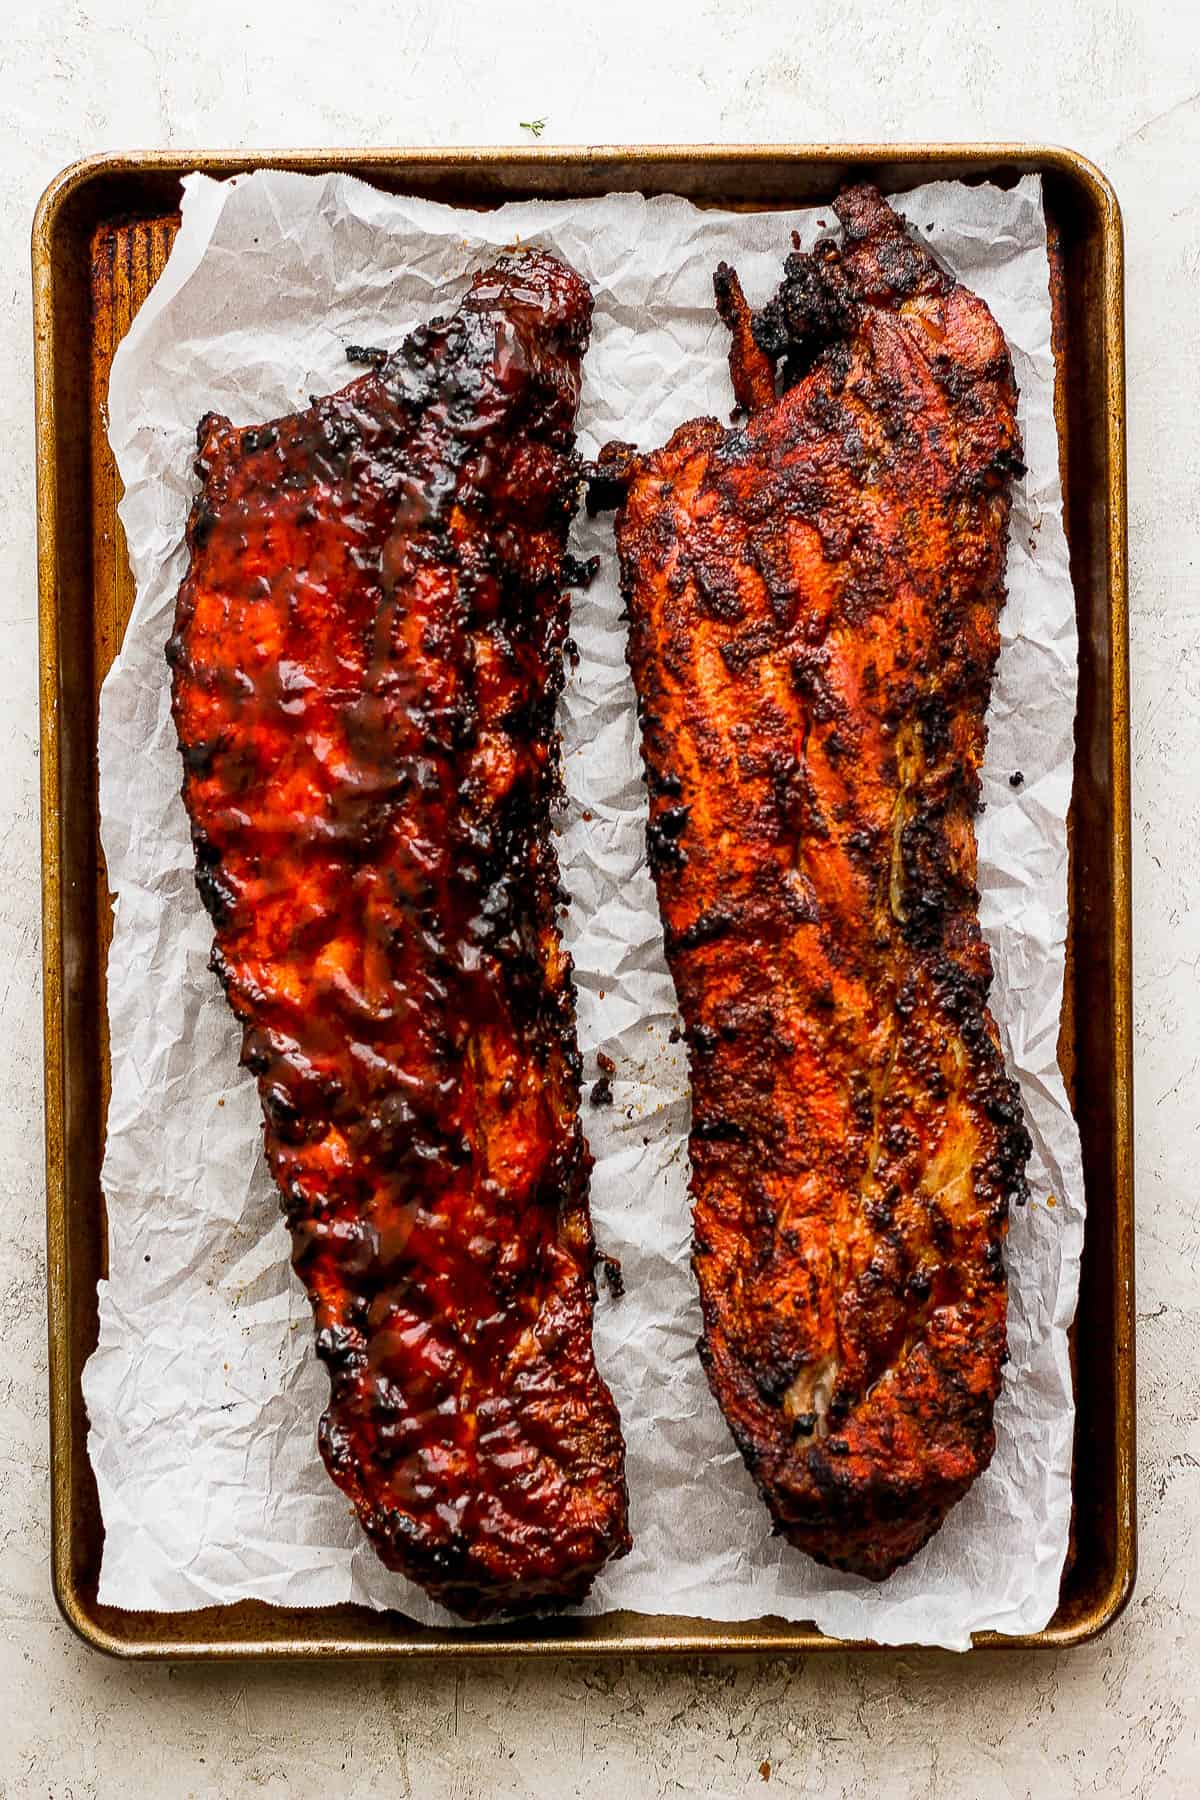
(366, 659)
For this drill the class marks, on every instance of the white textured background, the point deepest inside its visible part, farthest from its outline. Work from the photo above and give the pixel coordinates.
(1117, 79)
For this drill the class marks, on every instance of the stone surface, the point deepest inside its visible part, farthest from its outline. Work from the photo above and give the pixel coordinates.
(1117, 79)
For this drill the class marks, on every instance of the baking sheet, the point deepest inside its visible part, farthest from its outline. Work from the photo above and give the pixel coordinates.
(204, 1392)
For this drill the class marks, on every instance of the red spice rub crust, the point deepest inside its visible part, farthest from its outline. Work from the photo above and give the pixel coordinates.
(813, 599)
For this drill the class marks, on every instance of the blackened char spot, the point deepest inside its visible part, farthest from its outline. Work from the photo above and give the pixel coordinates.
(813, 307)
(608, 477)
(579, 573)
(662, 838)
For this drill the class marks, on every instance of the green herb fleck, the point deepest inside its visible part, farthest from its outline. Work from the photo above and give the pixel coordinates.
(534, 127)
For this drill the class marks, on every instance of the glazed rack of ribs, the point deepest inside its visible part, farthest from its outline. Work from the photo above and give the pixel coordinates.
(366, 659)
(813, 597)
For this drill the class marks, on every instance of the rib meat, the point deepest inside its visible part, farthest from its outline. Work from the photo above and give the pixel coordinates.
(813, 599)
(366, 659)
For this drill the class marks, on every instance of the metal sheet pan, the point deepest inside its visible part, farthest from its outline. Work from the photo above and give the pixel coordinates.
(100, 238)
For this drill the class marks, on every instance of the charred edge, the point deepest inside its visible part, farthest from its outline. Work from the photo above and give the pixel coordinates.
(663, 848)
(812, 308)
(579, 572)
(607, 479)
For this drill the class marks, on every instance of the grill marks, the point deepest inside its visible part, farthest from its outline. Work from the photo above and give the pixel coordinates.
(813, 603)
(367, 655)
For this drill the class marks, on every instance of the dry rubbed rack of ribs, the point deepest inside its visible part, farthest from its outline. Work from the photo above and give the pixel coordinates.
(366, 658)
(813, 598)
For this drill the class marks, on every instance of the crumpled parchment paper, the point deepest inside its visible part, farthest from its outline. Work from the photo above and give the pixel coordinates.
(204, 1392)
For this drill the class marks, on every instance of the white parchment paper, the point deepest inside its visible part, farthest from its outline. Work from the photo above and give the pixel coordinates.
(204, 1392)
